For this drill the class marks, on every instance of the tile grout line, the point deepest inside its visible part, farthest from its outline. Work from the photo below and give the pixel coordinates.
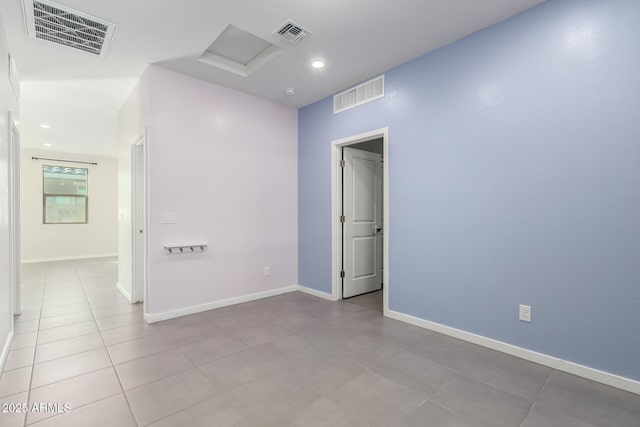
(33, 364)
(62, 326)
(119, 326)
(133, 339)
(197, 368)
(119, 314)
(536, 397)
(107, 351)
(71, 378)
(83, 335)
(70, 355)
(63, 339)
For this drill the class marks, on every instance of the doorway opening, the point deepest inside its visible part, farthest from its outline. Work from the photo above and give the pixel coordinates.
(360, 212)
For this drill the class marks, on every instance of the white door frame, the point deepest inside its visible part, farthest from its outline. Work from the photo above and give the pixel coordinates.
(139, 218)
(15, 258)
(336, 197)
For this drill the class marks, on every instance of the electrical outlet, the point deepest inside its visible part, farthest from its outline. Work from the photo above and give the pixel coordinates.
(267, 271)
(525, 313)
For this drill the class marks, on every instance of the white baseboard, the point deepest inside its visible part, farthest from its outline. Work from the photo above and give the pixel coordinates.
(602, 377)
(157, 317)
(316, 293)
(6, 348)
(68, 258)
(124, 292)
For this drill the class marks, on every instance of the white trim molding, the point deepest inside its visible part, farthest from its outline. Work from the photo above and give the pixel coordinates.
(69, 258)
(124, 292)
(336, 197)
(6, 348)
(140, 217)
(316, 293)
(592, 374)
(157, 317)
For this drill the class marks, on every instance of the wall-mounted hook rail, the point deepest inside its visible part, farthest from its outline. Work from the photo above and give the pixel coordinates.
(184, 249)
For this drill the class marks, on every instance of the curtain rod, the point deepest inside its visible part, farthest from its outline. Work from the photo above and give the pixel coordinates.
(68, 161)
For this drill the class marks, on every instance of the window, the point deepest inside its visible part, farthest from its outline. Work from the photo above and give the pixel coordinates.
(65, 198)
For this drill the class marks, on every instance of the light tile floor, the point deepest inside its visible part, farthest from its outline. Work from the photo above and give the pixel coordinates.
(291, 360)
(372, 300)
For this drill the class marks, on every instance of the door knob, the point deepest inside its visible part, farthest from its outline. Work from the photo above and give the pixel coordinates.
(378, 229)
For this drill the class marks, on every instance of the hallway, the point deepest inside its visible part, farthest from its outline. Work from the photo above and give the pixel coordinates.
(70, 312)
(290, 360)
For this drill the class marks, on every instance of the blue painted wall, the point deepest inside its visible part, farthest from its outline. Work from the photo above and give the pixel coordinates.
(514, 179)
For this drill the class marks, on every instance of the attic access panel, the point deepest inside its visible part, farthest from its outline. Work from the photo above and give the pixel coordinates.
(239, 52)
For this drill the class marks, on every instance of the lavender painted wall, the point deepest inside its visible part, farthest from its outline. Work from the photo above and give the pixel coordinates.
(225, 163)
(514, 179)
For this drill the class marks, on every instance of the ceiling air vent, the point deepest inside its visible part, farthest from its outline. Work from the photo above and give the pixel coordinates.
(358, 95)
(291, 32)
(59, 24)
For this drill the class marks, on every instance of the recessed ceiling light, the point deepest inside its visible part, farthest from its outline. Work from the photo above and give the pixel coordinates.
(290, 91)
(317, 63)
(43, 126)
(46, 144)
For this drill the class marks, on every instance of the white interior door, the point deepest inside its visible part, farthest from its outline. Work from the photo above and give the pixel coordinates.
(362, 226)
(15, 260)
(138, 219)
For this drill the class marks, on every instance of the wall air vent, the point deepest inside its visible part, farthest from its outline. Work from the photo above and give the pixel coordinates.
(59, 24)
(358, 95)
(14, 80)
(291, 32)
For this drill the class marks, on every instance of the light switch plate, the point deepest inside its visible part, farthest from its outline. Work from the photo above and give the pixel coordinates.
(169, 218)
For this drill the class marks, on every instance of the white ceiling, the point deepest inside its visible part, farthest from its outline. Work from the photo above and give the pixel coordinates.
(79, 94)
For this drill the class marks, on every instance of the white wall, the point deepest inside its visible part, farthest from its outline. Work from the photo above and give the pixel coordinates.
(8, 102)
(47, 242)
(132, 119)
(226, 163)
